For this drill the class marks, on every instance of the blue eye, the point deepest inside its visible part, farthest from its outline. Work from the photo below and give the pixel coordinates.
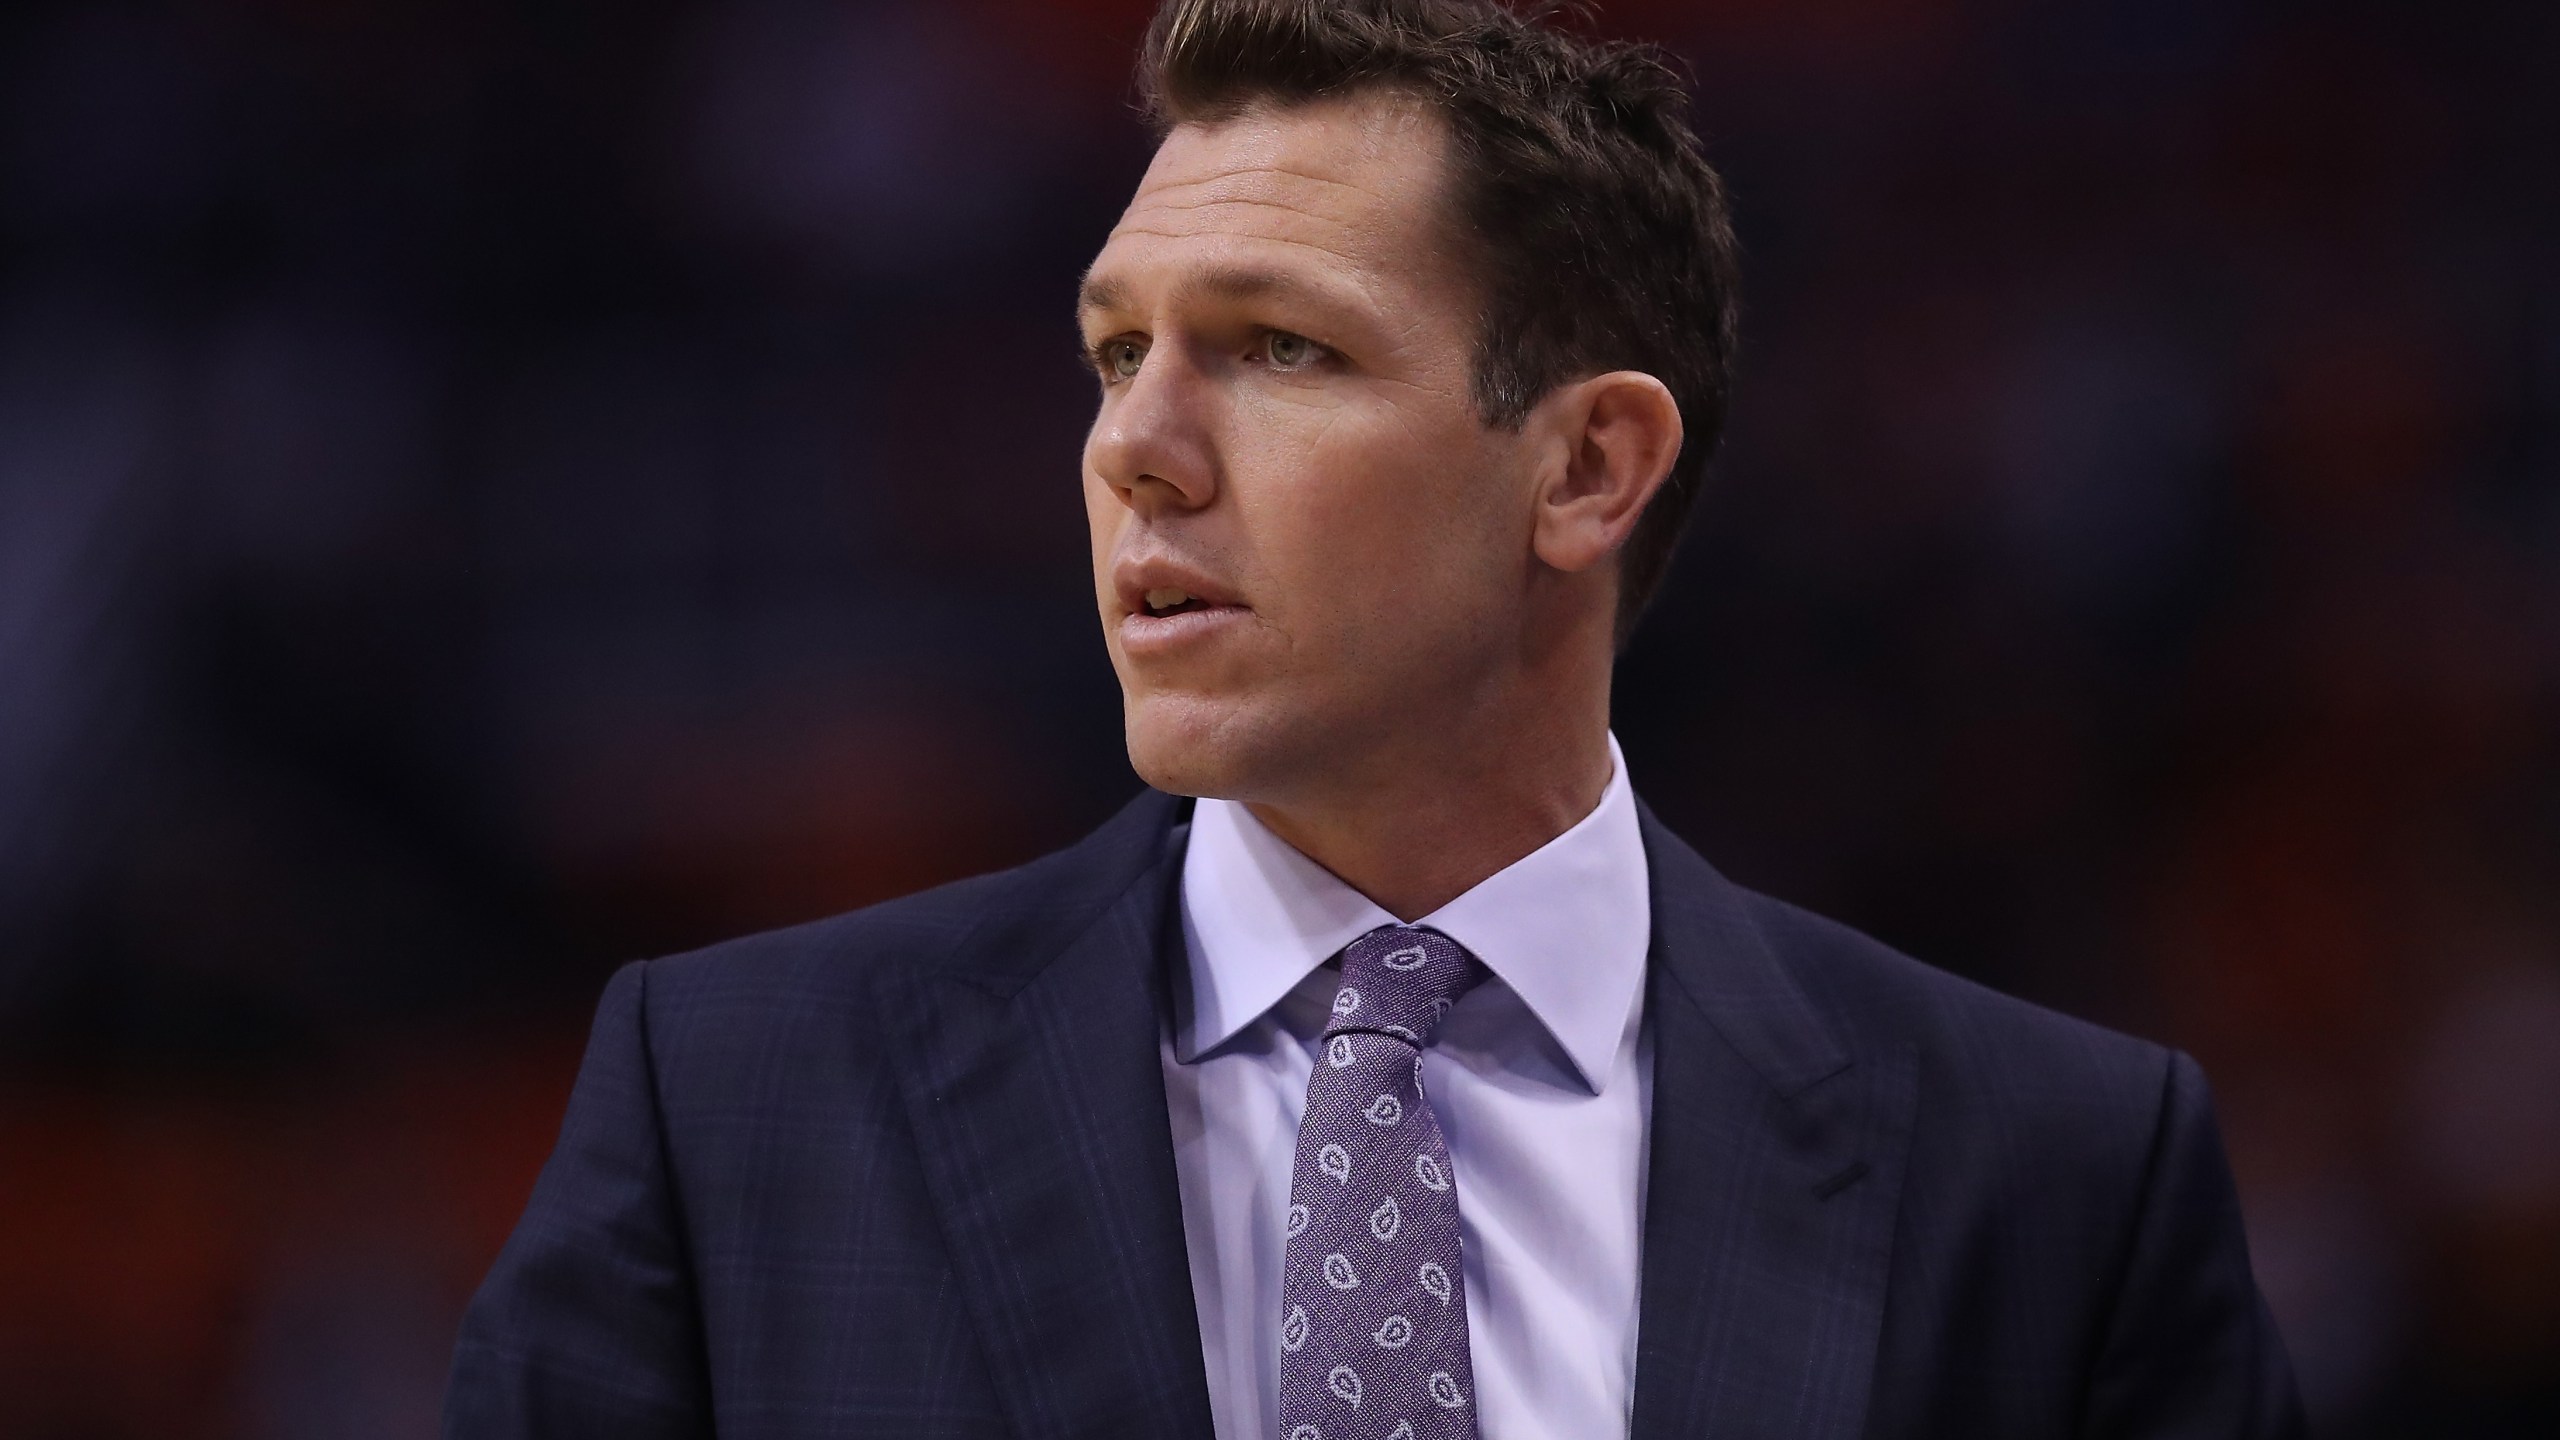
(1286, 351)
(1121, 359)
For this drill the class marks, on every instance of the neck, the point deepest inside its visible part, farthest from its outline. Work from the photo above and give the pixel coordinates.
(1429, 819)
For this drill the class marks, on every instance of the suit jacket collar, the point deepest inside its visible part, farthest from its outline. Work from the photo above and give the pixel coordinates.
(1029, 1061)
(1774, 1178)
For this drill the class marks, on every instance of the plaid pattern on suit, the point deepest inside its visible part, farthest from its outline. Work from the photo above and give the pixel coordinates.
(908, 1172)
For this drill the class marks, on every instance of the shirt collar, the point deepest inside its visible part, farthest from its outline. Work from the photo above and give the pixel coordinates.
(1566, 926)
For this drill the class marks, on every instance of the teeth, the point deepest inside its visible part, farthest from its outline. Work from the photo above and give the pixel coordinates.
(1166, 599)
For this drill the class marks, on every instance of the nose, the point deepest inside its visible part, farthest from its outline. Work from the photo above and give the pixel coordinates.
(1151, 441)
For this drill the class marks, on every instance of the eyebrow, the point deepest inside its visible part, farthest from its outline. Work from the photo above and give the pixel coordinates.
(1223, 282)
(1098, 294)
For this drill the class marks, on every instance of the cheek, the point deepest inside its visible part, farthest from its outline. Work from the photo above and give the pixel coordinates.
(1103, 517)
(1377, 513)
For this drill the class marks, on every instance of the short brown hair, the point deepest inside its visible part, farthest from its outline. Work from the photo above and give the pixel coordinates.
(1601, 232)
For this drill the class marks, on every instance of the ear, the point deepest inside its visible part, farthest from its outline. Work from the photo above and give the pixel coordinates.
(1620, 431)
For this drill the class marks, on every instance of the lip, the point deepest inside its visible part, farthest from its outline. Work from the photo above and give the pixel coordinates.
(1147, 637)
(1132, 578)
(1143, 635)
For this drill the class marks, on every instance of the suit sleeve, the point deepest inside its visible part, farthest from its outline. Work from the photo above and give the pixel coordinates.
(588, 1324)
(2190, 1352)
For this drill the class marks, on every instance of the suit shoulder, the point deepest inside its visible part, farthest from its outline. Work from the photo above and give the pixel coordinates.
(1995, 1046)
(1012, 916)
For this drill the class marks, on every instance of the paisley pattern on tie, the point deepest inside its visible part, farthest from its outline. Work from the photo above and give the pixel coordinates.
(1374, 1340)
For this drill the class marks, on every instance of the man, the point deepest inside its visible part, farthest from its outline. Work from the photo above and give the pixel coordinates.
(1411, 1081)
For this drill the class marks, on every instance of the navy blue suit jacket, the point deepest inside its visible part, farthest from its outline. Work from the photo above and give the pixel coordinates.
(908, 1172)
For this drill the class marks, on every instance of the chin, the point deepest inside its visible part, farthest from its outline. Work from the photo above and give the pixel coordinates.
(1198, 745)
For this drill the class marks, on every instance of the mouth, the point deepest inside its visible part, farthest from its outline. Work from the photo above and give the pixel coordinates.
(1168, 601)
(1169, 613)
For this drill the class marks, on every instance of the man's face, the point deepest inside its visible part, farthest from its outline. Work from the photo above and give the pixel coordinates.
(1308, 548)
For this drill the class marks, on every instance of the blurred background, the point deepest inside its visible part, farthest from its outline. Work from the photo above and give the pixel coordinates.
(491, 490)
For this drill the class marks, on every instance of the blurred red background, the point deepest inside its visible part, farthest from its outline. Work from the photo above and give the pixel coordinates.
(487, 491)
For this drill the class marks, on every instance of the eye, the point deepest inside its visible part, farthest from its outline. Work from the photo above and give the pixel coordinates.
(1118, 359)
(1285, 351)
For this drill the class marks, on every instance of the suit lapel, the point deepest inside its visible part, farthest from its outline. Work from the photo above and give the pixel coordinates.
(1775, 1170)
(1034, 1087)
(1037, 1099)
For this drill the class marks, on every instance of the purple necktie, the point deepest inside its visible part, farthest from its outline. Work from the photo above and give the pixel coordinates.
(1373, 1334)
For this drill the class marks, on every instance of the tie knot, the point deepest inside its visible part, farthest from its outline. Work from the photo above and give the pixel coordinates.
(1398, 980)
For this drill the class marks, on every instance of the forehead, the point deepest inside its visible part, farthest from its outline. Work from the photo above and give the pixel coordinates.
(1349, 188)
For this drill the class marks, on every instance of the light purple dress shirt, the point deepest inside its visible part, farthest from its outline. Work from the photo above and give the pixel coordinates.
(1542, 1080)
